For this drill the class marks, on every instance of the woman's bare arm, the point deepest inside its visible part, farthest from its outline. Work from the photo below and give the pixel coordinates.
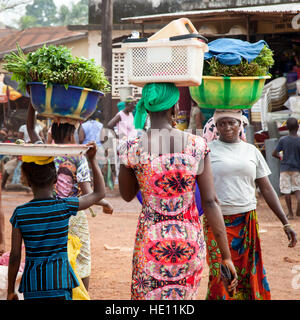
(128, 184)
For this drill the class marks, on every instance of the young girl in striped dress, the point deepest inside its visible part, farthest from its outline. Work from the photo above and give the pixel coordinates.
(43, 225)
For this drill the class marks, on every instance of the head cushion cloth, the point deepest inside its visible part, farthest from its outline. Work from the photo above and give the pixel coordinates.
(228, 113)
(37, 160)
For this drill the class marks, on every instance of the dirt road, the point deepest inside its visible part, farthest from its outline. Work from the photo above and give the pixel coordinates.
(112, 239)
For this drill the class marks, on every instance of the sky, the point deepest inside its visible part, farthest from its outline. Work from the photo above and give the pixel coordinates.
(10, 16)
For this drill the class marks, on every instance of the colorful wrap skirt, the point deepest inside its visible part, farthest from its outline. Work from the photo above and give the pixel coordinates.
(244, 244)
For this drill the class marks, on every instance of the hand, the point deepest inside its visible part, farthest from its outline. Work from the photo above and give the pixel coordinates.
(232, 286)
(91, 153)
(292, 236)
(107, 208)
(12, 296)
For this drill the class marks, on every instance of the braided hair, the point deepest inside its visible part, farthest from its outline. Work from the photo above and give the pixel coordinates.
(39, 175)
(60, 131)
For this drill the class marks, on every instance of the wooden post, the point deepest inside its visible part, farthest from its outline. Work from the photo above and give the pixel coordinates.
(106, 45)
(248, 28)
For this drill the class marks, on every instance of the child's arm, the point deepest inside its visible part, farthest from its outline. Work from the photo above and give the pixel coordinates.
(14, 262)
(86, 188)
(31, 124)
(98, 193)
(107, 206)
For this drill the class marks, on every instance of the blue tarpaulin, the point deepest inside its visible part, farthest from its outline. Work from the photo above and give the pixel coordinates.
(231, 51)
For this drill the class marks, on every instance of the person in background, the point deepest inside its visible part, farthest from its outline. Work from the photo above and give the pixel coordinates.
(196, 119)
(3, 134)
(12, 172)
(123, 120)
(23, 134)
(89, 131)
(11, 137)
(43, 225)
(290, 165)
(237, 167)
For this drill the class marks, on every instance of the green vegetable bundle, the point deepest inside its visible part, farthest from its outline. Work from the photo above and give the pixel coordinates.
(258, 67)
(55, 65)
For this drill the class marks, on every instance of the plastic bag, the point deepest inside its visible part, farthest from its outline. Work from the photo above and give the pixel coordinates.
(4, 283)
(79, 293)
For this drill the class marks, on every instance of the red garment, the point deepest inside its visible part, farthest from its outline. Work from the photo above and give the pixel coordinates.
(244, 244)
(169, 252)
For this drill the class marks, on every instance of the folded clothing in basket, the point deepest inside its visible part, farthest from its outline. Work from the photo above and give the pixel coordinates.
(231, 51)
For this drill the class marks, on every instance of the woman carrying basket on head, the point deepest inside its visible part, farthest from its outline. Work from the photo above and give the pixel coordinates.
(164, 163)
(237, 167)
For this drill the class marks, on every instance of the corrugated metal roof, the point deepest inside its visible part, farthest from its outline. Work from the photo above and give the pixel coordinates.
(6, 32)
(36, 37)
(291, 8)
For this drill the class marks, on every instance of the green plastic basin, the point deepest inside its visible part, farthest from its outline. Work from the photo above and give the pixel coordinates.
(228, 92)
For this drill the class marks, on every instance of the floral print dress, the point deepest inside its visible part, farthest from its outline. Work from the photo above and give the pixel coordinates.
(169, 252)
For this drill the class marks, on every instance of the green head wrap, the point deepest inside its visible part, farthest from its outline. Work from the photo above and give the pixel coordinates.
(155, 97)
(121, 105)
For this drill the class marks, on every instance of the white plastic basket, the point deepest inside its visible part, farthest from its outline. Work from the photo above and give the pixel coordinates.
(177, 61)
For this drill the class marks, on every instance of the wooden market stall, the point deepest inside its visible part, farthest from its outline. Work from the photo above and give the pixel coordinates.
(278, 25)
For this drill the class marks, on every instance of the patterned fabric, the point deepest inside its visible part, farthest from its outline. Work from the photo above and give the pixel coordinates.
(169, 252)
(44, 227)
(70, 172)
(244, 244)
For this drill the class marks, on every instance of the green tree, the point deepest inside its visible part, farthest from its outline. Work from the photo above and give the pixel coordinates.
(77, 14)
(64, 16)
(44, 11)
(26, 22)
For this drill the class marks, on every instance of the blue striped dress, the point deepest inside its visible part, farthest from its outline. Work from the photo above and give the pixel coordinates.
(44, 227)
